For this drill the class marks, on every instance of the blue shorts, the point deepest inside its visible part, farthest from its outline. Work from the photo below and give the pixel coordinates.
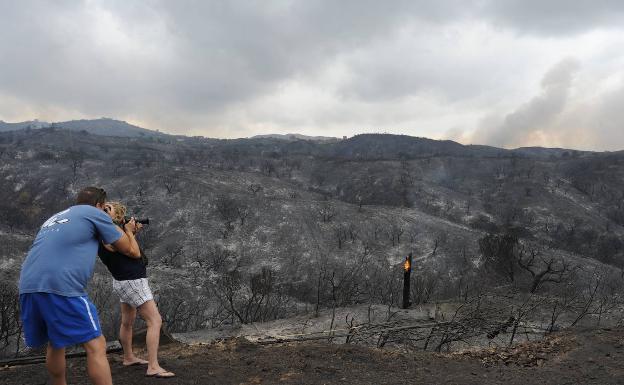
(60, 320)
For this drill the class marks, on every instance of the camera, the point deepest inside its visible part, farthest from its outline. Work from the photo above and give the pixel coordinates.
(143, 221)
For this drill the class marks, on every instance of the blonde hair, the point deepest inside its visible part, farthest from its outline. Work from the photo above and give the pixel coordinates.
(120, 211)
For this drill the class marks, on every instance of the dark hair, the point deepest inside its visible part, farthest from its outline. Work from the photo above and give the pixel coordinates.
(91, 196)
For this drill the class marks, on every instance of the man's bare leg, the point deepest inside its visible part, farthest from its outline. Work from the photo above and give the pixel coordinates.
(55, 362)
(128, 315)
(97, 362)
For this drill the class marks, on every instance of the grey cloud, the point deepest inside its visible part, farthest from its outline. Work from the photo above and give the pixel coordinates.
(192, 65)
(214, 53)
(248, 48)
(48, 57)
(386, 73)
(554, 17)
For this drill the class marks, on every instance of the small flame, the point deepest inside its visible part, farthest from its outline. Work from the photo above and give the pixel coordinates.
(407, 265)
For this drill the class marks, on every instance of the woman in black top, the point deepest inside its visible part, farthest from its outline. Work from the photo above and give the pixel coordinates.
(130, 284)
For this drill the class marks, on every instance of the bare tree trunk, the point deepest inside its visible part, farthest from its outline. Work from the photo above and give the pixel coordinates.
(513, 331)
(318, 295)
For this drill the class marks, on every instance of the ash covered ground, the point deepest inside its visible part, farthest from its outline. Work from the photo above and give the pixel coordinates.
(578, 356)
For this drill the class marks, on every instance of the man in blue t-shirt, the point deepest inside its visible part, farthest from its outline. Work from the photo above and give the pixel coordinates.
(55, 308)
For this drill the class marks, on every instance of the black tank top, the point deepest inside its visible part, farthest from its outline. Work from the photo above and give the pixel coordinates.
(122, 267)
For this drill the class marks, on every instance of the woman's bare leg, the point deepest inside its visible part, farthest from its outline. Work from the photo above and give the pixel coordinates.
(149, 312)
(128, 315)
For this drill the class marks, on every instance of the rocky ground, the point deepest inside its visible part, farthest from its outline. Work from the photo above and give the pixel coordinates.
(569, 357)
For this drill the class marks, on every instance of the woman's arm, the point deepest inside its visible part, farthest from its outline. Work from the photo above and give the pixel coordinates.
(127, 244)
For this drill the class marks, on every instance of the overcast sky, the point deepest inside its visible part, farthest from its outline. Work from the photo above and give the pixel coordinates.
(505, 73)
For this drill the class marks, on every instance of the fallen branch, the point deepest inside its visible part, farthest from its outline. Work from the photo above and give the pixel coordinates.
(41, 359)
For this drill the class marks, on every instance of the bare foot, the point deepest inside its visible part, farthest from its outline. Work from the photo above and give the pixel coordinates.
(135, 361)
(162, 373)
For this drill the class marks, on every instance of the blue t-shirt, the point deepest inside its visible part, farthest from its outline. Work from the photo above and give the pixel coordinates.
(63, 254)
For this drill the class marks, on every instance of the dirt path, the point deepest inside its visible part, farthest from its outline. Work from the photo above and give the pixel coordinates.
(581, 357)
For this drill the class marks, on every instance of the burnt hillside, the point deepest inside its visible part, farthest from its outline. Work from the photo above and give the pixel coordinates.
(253, 230)
(566, 199)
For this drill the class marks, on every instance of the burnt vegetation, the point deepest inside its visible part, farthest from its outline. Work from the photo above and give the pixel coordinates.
(253, 230)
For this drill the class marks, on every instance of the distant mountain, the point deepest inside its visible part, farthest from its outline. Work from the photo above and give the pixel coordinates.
(548, 152)
(4, 126)
(102, 126)
(387, 146)
(293, 137)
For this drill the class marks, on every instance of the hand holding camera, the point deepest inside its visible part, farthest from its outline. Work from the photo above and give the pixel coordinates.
(131, 226)
(143, 221)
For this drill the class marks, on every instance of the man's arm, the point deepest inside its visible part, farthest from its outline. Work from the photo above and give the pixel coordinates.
(127, 244)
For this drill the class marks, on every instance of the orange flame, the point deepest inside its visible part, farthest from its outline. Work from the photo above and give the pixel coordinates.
(407, 265)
